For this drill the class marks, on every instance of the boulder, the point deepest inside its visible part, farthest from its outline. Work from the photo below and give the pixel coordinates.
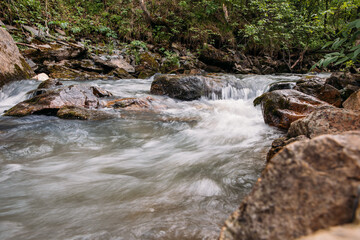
(281, 86)
(317, 87)
(325, 121)
(282, 107)
(353, 102)
(12, 65)
(310, 185)
(344, 232)
(181, 87)
(192, 87)
(50, 101)
(347, 83)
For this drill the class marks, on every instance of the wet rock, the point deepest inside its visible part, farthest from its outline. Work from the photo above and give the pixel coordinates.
(281, 86)
(325, 121)
(12, 65)
(317, 87)
(192, 87)
(309, 185)
(133, 103)
(50, 83)
(50, 101)
(282, 107)
(82, 114)
(353, 102)
(181, 87)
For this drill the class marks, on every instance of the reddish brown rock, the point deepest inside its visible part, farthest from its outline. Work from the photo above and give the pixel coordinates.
(325, 121)
(353, 102)
(308, 186)
(12, 64)
(282, 107)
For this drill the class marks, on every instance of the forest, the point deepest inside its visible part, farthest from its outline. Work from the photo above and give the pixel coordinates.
(275, 28)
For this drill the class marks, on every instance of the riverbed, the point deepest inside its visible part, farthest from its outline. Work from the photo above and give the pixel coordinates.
(177, 174)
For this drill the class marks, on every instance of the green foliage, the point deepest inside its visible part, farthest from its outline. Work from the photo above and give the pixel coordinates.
(345, 49)
(267, 27)
(135, 48)
(171, 60)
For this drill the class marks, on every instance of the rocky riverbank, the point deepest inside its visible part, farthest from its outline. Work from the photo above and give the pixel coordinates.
(312, 178)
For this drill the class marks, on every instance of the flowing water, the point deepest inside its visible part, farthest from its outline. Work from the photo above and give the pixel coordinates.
(132, 177)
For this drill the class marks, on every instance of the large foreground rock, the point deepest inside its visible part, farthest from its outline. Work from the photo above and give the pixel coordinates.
(325, 121)
(12, 64)
(345, 232)
(282, 107)
(310, 185)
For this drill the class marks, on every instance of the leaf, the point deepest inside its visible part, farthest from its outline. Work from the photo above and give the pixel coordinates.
(330, 60)
(355, 47)
(356, 53)
(327, 44)
(344, 59)
(337, 44)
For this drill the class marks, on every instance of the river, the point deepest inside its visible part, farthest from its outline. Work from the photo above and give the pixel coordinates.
(175, 175)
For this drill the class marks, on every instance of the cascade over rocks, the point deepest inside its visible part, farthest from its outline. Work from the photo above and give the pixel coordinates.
(282, 107)
(12, 65)
(310, 185)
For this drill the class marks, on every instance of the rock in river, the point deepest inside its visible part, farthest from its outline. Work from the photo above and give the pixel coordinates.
(49, 101)
(310, 185)
(282, 107)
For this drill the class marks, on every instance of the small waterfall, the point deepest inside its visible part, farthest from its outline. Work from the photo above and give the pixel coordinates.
(241, 88)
